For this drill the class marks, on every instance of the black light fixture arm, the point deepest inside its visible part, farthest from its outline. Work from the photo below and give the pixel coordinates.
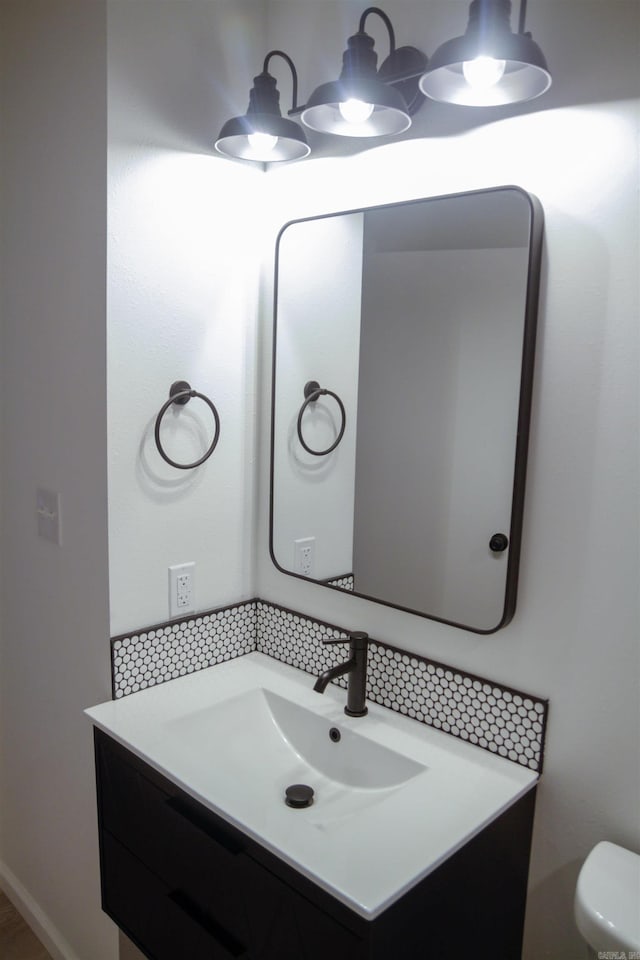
(522, 17)
(387, 22)
(403, 67)
(294, 75)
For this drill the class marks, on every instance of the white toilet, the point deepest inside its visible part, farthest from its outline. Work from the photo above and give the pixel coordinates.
(607, 901)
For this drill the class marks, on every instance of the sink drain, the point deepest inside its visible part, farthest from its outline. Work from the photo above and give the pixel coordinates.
(298, 795)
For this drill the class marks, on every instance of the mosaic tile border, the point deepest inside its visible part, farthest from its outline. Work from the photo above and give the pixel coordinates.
(153, 655)
(344, 583)
(500, 719)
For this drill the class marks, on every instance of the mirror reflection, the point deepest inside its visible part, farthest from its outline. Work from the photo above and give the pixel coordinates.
(403, 358)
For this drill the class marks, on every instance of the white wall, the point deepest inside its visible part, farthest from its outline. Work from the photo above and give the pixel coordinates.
(574, 636)
(55, 649)
(183, 268)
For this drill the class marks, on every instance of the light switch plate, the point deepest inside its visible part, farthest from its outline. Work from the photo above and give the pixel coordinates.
(48, 515)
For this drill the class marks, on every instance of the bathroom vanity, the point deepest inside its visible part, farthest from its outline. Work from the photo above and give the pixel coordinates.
(416, 844)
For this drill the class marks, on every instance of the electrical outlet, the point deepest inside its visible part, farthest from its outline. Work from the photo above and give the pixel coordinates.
(304, 556)
(181, 589)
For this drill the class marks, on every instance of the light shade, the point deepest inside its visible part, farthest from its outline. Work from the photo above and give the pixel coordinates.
(263, 134)
(237, 138)
(388, 117)
(358, 81)
(525, 74)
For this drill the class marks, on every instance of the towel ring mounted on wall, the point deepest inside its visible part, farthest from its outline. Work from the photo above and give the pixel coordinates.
(180, 392)
(313, 390)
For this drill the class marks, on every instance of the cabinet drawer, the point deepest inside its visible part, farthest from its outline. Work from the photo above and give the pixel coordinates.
(163, 920)
(286, 926)
(186, 846)
(170, 865)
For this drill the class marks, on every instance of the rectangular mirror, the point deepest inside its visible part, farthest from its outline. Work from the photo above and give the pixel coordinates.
(403, 354)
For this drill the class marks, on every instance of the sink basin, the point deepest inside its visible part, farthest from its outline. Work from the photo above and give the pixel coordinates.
(393, 798)
(266, 743)
(260, 729)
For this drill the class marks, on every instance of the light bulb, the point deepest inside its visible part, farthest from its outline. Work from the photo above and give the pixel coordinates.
(483, 72)
(262, 145)
(355, 111)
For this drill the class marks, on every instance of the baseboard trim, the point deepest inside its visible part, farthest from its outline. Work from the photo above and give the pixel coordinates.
(46, 931)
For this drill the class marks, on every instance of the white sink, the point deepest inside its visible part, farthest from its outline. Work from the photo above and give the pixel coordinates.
(273, 732)
(266, 743)
(393, 798)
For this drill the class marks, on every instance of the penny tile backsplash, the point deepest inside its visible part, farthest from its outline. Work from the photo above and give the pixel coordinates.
(504, 721)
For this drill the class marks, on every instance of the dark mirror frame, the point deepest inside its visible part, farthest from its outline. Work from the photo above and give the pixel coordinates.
(536, 228)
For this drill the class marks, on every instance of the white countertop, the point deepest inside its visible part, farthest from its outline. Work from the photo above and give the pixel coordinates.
(365, 846)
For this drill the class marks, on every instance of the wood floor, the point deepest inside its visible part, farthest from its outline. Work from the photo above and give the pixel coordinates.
(17, 942)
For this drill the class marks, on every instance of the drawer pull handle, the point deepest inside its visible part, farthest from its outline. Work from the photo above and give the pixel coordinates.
(197, 820)
(227, 941)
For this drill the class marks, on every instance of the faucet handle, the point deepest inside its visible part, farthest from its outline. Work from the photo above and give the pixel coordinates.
(357, 636)
(331, 641)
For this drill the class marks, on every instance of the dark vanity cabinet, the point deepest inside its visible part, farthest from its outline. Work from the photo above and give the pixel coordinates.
(185, 885)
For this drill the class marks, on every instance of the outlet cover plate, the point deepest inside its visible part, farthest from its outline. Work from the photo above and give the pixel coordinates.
(304, 556)
(182, 589)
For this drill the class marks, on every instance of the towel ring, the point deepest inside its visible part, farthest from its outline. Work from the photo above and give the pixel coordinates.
(180, 392)
(313, 390)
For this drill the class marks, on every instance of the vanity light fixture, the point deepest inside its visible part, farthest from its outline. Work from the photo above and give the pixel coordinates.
(263, 134)
(364, 101)
(490, 65)
(486, 67)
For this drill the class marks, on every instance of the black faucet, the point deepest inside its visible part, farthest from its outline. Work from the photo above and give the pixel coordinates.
(356, 667)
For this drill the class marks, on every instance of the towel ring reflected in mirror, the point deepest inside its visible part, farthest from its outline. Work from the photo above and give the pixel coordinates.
(312, 391)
